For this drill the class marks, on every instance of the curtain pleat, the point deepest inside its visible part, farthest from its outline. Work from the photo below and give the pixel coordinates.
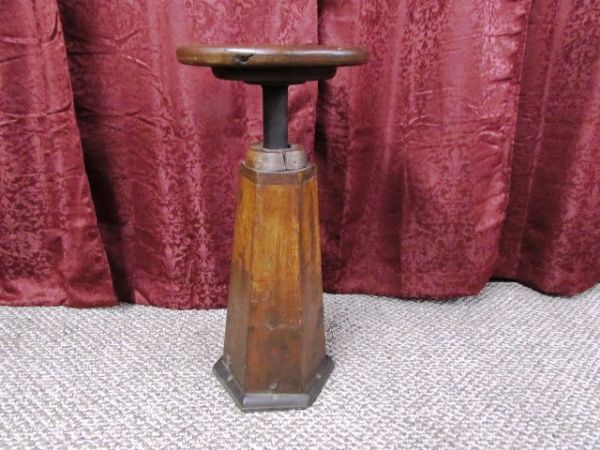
(551, 236)
(50, 248)
(415, 148)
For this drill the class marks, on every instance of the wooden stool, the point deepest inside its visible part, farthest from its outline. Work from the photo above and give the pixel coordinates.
(274, 354)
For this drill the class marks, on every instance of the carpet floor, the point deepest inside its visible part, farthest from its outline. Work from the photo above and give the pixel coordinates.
(510, 368)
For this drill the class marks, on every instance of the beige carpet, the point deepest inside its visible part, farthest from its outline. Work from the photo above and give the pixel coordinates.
(508, 369)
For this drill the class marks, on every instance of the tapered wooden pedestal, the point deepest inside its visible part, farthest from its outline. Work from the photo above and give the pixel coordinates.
(274, 354)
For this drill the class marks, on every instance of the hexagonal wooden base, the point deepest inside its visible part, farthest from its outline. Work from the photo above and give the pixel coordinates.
(249, 402)
(274, 353)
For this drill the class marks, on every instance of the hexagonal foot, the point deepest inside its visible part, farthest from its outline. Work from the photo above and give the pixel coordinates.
(269, 401)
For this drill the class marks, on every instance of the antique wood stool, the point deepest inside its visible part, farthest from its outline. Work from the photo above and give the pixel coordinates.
(274, 354)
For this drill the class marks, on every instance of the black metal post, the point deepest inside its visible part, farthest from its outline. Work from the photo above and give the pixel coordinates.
(275, 116)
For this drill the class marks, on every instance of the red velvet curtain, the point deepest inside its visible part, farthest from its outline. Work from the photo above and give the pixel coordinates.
(467, 148)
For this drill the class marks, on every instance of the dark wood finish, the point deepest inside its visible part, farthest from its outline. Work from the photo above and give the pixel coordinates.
(271, 64)
(274, 353)
(313, 333)
(274, 338)
(275, 75)
(270, 55)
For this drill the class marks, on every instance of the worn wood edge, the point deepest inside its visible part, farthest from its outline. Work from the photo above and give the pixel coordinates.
(270, 55)
(238, 306)
(311, 282)
(288, 177)
(266, 401)
(274, 75)
(288, 159)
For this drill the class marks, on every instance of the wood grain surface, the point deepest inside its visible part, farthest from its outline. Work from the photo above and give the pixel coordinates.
(274, 338)
(270, 56)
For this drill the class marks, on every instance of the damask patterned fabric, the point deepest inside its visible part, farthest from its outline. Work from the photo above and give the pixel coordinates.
(551, 235)
(426, 190)
(416, 146)
(50, 248)
(467, 148)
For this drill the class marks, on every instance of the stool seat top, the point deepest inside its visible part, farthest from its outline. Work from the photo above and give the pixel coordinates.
(270, 56)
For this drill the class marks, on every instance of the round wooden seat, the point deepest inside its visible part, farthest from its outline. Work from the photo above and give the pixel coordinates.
(275, 64)
(274, 67)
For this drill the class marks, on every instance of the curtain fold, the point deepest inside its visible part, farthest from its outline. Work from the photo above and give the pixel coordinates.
(50, 248)
(551, 236)
(467, 148)
(415, 148)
